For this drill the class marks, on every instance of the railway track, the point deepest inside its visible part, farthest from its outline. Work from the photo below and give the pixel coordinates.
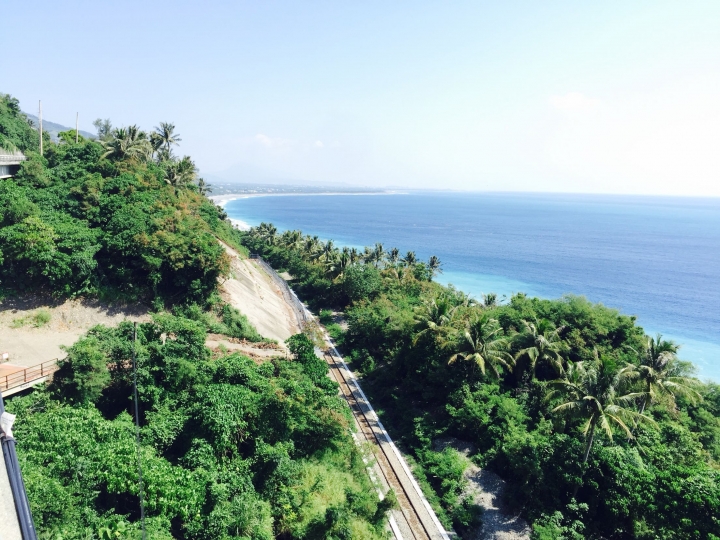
(414, 518)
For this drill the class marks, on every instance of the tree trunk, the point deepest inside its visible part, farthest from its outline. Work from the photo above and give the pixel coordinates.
(589, 444)
(588, 447)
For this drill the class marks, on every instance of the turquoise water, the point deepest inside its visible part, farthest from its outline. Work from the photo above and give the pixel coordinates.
(654, 257)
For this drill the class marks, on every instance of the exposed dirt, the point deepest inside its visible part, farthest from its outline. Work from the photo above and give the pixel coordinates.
(253, 292)
(487, 490)
(260, 352)
(29, 340)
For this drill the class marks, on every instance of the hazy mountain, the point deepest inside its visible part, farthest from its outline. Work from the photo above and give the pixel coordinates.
(53, 128)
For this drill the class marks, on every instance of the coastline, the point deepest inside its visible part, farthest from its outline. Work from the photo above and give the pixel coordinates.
(701, 349)
(222, 200)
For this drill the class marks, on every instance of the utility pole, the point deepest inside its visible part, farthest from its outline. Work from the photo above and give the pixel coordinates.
(40, 126)
(76, 127)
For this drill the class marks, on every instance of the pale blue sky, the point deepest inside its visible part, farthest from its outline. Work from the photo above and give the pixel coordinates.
(620, 97)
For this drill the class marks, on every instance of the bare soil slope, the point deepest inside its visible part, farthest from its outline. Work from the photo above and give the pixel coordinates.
(253, 292)
(29, 340)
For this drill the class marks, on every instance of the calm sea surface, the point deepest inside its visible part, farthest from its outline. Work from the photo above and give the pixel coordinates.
(654, 257)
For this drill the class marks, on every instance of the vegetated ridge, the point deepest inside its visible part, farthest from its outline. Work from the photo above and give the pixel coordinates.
(229, 447)
(600, 430)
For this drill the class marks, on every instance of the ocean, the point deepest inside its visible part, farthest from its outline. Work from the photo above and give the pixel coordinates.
(657, 258)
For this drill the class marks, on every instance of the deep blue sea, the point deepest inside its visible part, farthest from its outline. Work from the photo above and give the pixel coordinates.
(654, 257)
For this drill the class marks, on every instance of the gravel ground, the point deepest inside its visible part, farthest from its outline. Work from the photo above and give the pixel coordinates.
(487, 490)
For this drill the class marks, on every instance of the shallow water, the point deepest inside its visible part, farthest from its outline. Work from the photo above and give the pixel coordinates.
(654, 257)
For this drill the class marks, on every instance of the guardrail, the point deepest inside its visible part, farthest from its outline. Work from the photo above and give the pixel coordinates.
(11, 159)
(27, 375)
(288, 294)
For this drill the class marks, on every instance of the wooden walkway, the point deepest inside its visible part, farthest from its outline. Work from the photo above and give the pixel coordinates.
(14, 379)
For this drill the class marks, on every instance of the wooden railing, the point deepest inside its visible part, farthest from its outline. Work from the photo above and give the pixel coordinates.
(32, 373)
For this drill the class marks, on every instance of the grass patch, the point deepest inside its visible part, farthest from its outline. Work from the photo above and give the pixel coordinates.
(41, 317)
(38, 319)
(325, 316)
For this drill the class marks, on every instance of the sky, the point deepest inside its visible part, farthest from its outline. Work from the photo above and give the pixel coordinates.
(592, 97)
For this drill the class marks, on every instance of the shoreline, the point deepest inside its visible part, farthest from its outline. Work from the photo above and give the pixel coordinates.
(701, 350)
(222, 200)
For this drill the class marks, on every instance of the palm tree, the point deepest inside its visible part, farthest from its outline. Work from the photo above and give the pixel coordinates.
(377, 256)
(203, 188)
(434, 318)
(354, 255)
(367, 255)
(291, 239)
(434, 265)
(181, 173)
(393, 256)
(658, 372)
(337, 263)
(310, 246)
(483, 344)
(127, 143)
(328, 250)
(165, 136)
(592, 391)
(541, 344)
(265, 232)
(410, 258)
(490, 300)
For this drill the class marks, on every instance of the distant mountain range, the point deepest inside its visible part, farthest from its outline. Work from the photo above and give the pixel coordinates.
(53, 128)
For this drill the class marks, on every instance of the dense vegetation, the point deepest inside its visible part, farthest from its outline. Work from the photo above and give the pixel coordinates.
(600, 430)
(119, 217)
(228, 448)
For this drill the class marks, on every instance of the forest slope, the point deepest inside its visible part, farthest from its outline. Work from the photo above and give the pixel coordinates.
(229, 448)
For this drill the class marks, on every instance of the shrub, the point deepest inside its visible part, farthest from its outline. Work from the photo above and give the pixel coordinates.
(326, 316)
(83, 374)
(41, 318)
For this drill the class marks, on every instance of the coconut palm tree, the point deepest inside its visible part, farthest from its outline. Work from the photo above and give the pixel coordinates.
(265, 232)
(435, 266)
(328, 250)
(354, 256)
(127, 143)
(490, 300)
(310, 246)
(410, 258)
(165, 136)
(658, 373)
(393, 256)
(377, 256)
(592, 391)
(181, 173)
(483, 344)
(434, 318)
(291, 239)
(203, 187)
(337, 264)
(540, 344)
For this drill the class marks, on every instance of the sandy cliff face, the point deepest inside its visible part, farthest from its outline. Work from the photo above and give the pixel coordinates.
(253, 292)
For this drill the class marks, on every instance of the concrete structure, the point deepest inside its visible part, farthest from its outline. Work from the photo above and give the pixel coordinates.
(10, 162)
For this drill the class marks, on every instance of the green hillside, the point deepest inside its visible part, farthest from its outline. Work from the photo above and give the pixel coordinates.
(600, 431)
(229, 448)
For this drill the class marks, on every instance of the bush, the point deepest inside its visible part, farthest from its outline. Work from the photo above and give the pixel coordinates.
(83, 374)
(41, 318)
(237, 325)
(326, 316)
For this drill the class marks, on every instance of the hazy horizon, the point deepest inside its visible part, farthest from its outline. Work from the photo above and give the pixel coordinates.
(517, 97)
